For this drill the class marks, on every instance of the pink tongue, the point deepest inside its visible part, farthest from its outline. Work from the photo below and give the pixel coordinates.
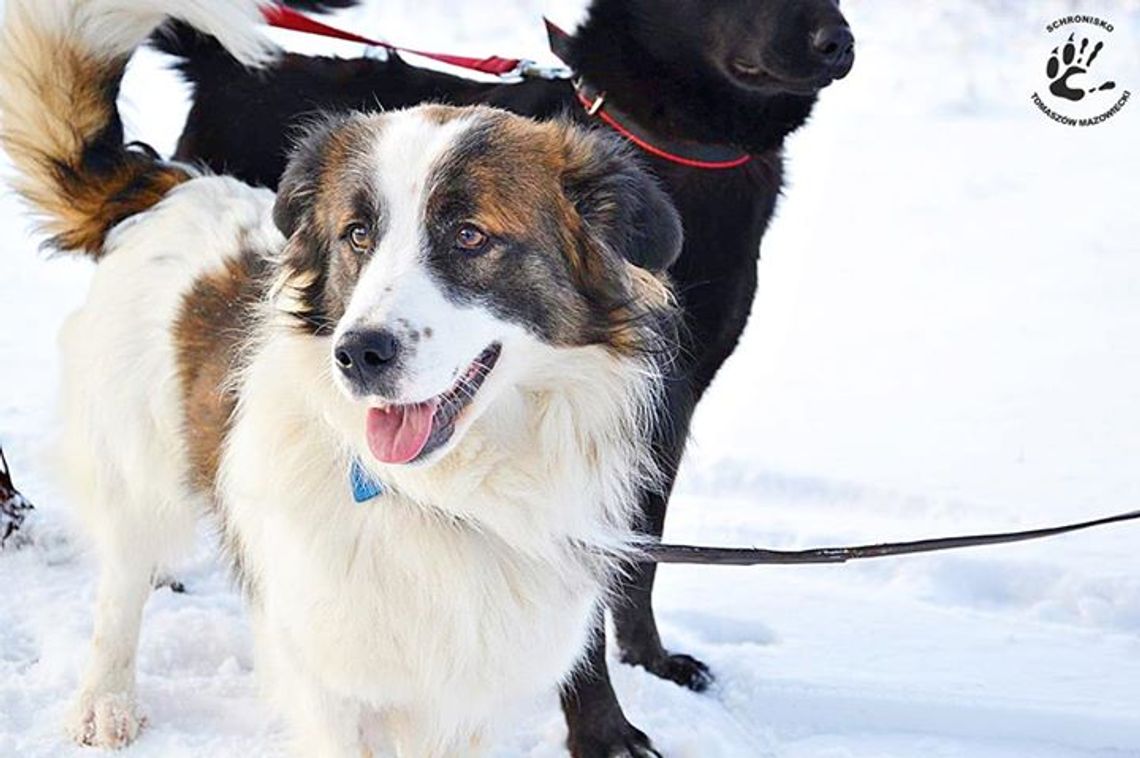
(397, 435)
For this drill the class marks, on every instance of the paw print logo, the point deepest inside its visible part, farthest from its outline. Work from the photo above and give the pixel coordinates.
(1067, 64)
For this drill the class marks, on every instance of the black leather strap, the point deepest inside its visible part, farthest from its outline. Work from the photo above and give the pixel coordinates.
(741, 556)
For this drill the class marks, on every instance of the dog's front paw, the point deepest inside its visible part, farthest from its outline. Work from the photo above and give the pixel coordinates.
(682, 669)
(106, 720)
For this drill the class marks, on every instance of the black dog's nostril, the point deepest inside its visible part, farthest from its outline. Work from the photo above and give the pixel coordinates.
(364, 355)
(834, 43)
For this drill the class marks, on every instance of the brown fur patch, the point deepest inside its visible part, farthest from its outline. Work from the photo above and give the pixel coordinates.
(215, 318)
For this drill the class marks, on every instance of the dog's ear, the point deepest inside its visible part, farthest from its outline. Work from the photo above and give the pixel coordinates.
(620, 202)
(294, 196)
(290, 205)
(302, 261)
(296, 192)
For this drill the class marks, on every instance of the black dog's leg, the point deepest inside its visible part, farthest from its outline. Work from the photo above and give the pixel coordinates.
(639, 640)
(634, 622)
(598, 728)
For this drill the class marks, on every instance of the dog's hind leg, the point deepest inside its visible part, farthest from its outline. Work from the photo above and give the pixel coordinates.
(133, 538)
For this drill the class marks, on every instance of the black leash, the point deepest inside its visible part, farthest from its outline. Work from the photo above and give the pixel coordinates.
(743, 556)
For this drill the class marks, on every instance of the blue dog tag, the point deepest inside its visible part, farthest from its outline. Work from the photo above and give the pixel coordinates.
(365, 487)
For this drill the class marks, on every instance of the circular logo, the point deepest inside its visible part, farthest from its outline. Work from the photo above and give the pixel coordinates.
(1077, 89)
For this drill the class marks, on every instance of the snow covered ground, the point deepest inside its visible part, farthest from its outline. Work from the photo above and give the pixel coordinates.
(946, 338)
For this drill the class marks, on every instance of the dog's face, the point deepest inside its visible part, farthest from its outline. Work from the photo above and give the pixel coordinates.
(443, 252)
(794, 47)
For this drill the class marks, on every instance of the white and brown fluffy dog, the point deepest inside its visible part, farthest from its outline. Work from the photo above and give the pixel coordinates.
(434, 315)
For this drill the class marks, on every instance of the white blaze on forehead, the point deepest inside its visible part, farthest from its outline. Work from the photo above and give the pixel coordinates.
(409, 146)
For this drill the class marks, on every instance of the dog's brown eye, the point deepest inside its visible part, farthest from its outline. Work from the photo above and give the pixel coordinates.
(360, 237)
(470, 239)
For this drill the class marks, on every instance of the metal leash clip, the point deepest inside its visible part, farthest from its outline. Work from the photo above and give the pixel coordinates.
(377, 53)
(528, 69)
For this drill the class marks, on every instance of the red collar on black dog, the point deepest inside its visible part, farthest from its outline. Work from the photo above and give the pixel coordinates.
(682, 152)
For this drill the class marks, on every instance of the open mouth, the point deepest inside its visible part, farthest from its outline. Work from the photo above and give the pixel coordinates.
(752, 74)
(406, 433)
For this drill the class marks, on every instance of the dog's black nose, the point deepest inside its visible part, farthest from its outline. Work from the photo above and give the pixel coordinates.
(834, 44)
(363, 356)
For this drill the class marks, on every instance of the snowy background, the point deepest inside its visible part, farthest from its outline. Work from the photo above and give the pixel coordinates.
(946, 338)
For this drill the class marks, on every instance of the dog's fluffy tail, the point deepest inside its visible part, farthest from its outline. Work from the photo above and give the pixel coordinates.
(61, 63)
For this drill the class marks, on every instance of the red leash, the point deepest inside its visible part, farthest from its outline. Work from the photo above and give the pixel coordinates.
(287, 18)
(680, 152)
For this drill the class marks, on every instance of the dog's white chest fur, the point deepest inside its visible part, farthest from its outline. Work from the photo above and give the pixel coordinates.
(387, 600)
(399, 608)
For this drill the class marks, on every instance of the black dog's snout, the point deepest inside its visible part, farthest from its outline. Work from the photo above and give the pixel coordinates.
(834, 44)
(364, 356)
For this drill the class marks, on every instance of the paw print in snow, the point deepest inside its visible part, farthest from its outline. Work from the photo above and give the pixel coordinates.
(1074, 63)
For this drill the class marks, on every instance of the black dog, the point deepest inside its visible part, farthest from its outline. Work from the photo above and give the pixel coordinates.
(698, 83)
